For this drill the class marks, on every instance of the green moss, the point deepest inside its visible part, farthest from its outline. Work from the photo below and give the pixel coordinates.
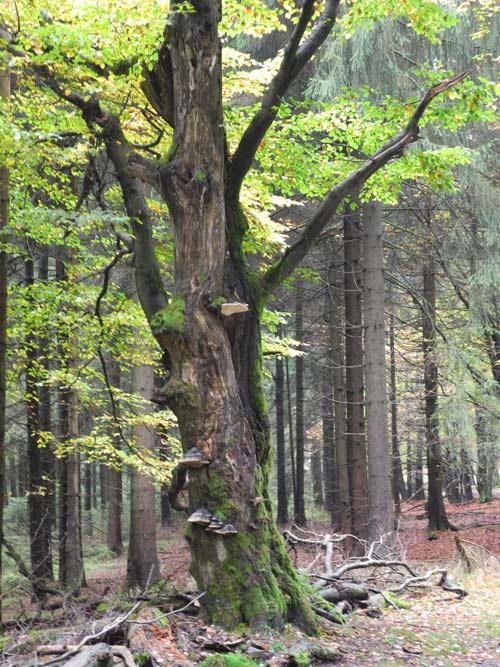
(396, 601)
(219, 500)
(178, 389)
(102, 608)
(171, 318)
(302, 659)
(216, 303)
(200, 176)
(143, 659)
(219, 660)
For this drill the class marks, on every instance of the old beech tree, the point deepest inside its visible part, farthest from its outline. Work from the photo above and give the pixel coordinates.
(214, 362)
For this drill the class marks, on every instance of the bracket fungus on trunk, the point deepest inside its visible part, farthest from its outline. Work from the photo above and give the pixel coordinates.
(228, 309)
(226, 530)
(201, 516)
(194, 458)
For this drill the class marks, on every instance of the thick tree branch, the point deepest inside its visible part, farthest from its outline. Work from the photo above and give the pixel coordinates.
(148, 278)
(295, 57)
(393, 148)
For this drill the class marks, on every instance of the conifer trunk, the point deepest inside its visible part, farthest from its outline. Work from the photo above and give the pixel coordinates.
(71, 573)
(142, 565)
(436, 513)
(39, 516)
(299, 504)
(355, 420)
(282, 509)
(342, 515)
(114, 478)
(379, 469)
(398, 483)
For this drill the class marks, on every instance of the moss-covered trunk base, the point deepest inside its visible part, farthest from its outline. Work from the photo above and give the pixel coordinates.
(249, 579)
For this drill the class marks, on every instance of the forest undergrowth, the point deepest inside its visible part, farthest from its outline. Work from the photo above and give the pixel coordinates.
(437, 629)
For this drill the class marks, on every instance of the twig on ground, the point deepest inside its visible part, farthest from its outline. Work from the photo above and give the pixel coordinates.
(170, 613)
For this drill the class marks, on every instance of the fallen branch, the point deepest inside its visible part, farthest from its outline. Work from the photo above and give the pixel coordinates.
(171, 613)
(40, 583)
(56, 649)
(443, 583)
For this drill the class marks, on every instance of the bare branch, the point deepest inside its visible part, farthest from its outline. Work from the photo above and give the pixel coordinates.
(393, 148)
(295, 57)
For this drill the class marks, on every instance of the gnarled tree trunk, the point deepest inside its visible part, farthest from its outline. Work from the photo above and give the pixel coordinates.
(214, 363)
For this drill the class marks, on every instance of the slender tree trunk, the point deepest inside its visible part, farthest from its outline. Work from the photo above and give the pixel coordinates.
(317, 475)
(103, 487)
(4, 218)
(47, 456)
(22, 470)
(39, 516)
(94, 469)
(329, 459)
(379, 461)
(418, 469)
(114, 478)
(466, 476)
(486, 463)
(142, 564)
(398, 482)
(330, 480)
(436, 513)
(335, 287)
(299, 506)
(356, 445)
(410, 481)
(291, 438)
(451, 476)
(71, 573)
(12, 477)
(87, 504)
(282, 510)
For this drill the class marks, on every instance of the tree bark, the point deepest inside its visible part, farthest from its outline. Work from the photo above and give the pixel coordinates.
(142, 564)
(381, 514)
(486, 460)
(47, 456)
(71, 573)
(282, 509)
(398, 483)
(418, 469)
(4, 218)
(436, 513)
(114, 478)
(355, 420)
(330, 480)
(299, 504)
(335, 287)
(291, 439)
(38, 506)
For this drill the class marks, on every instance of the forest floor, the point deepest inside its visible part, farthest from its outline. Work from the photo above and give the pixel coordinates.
(438, 630)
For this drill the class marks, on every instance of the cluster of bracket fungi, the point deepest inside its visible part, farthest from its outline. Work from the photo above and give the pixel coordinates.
(211, 523)
(195, 458)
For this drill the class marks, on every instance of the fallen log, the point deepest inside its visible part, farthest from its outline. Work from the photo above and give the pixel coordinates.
(344, 591)
(98, 655)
